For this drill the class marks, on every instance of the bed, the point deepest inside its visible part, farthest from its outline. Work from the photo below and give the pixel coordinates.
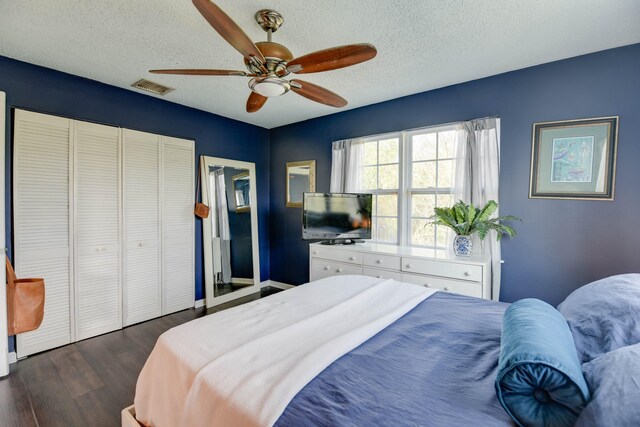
(355, 350)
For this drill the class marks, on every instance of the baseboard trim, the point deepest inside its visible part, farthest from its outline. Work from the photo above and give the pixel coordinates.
(13, 357)
(199, 303)
(241, 281)
(275, 284)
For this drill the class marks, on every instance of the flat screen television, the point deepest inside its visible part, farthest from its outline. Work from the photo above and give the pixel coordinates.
(337, 217)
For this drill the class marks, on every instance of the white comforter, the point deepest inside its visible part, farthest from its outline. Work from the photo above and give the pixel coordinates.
(242, 366)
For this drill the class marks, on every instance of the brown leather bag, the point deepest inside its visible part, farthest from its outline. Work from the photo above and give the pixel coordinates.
(200, 210)
(25, 302)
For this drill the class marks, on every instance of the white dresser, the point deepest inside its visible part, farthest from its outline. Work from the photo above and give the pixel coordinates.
(432, 268)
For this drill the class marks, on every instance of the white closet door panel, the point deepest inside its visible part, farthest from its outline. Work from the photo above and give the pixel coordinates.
(97, 295)
(177, 224)
(41, 204)
(98, 302)
(141, 263)
(97, 184)
(142, 285)
(56, 325)
(141, 155)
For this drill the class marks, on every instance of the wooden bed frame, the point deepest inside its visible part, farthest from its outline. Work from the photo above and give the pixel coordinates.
(129, 417)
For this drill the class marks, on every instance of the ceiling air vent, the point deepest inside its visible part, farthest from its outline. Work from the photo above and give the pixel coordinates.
(153, 87)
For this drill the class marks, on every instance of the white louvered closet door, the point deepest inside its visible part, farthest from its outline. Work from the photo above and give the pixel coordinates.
(177, 199)
(41, 208)
(141, 206)
(98, 299)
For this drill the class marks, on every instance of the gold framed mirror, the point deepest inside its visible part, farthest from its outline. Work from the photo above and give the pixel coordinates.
(301, 178)
(241, 192)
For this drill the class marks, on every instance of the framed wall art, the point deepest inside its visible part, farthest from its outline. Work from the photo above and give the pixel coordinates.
(574, 159)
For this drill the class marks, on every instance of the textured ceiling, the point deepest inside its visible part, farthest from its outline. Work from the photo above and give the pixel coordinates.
(422, 44)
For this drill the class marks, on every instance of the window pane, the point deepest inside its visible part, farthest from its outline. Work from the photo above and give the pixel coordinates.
(445, 173)
(424, 175)
(447, 142)
(388, 178)
(422, 233)
(370, 177)
(387, 230)
(442, 236)
(424, 146)
(444, 200)
(371, 153)
(423, 204)
(387, 205)
(389, 151)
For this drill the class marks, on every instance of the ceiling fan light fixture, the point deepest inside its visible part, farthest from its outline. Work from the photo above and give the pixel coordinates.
(269, 86)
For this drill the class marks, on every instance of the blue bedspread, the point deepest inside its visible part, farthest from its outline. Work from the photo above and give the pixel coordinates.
(435, 366)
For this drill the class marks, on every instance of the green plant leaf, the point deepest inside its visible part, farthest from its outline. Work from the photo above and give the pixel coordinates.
(487, 210)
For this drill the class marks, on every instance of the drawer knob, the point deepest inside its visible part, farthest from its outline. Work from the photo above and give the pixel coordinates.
(426, 285)
(409, 265)
(315, 252)
(351, 258)
(326, 268)
(446, 288)
(339, 270)
(378, 261)
(467, 273)
(378, 277)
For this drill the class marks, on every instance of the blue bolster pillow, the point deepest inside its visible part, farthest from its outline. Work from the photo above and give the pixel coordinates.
(540, 381)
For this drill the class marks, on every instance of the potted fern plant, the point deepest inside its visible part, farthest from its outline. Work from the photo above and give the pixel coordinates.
(466, 220)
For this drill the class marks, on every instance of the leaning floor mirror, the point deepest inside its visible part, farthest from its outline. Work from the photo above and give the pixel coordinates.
(230, 233)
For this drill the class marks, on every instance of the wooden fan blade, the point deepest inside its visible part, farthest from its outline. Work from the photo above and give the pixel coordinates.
(317, 93)
(332, 58)
(200, 72)
(255, 102)
(228, 29)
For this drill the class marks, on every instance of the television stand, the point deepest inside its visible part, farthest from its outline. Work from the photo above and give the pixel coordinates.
(338, 242)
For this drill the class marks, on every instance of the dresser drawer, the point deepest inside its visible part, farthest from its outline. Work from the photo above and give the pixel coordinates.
(456, 286)
(382, 261)
(451, 270)
(382, 274)
(340, 255)
(324, 268)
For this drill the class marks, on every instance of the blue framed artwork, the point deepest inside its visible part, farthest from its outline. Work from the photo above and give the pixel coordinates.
(574, 159)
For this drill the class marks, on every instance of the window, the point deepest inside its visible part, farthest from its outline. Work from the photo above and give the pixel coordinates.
(409, 174)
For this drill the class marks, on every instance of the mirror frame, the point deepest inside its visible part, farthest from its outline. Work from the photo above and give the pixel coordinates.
(211, 299)
(312, 180)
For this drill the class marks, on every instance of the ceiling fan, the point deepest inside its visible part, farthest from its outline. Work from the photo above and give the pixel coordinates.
(269, 62)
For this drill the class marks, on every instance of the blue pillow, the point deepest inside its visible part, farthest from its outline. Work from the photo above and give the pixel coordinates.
(614, 380)
(604, 315)
(540, 380)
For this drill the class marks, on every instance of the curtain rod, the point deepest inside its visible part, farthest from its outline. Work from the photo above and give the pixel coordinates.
(420, 128)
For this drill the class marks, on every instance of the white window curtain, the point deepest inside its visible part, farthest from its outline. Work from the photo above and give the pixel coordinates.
(223, 230)
(476, 181)
(347, 160)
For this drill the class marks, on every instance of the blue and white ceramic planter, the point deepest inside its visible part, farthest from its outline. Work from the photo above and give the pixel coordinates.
(462, 245)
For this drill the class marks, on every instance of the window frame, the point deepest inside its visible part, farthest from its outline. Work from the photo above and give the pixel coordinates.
(405, 190)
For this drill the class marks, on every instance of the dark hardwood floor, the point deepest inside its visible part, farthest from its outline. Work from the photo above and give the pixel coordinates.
(89, 382)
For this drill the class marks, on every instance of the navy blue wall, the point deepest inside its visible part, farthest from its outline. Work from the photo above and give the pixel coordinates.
(562, 244)
(44, 90)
